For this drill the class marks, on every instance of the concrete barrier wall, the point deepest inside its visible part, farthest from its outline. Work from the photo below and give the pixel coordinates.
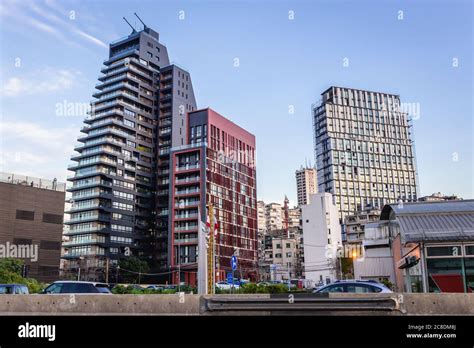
(335, 304)
(99, 304)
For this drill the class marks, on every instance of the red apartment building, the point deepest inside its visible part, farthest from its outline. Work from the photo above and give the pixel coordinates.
(217, 165)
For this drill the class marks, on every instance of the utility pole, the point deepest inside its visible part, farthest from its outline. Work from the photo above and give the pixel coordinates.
(117, 274)
(202, 257)
(79, 270)
(340, 268)
(289, 277)
(107, 270)
(181, 205)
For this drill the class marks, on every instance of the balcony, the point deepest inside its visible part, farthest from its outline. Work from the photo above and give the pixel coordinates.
(186, 216)
(73, 231)
(87, 207)
(165, 105)
(186, 241)
(187, 204)
(90, 183)
(83, 242)
(101, 86)
(96, 116)
(91, 173)
(113, 65)
(187, 167)
(84, 163)
(103, 149)
(186, 228)
(84, 218)
(141, 72)
(187, 180)
(165, 123)
(112, 73)
(187, 192)
(130, 51)
(165, 131)
(76, 255)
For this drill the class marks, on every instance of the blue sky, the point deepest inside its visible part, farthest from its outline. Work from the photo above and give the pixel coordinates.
(51, 57)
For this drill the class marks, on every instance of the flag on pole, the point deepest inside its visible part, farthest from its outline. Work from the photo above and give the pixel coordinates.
(216, 224)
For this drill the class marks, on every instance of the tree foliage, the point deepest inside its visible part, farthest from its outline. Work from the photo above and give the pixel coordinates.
(130, 267)
(10, 273)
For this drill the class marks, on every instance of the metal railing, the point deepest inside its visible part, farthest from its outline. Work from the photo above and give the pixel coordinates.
(32, 181)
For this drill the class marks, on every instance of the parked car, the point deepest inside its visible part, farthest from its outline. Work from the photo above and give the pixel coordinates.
(353, 286)
(155, 287)
(13, 289)
(76, 287)
(263, 283)
(226, 286)
(243, 282)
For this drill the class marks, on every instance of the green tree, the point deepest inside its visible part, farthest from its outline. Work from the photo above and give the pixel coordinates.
(130, 269)
(10, 273)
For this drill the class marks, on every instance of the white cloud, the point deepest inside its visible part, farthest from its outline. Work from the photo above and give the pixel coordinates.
(40, 82)
(91, 38)
(47, 21)
(28, 148)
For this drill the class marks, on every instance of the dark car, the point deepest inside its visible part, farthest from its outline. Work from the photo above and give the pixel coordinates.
(13, 289)
(355, 286)
(77, 287)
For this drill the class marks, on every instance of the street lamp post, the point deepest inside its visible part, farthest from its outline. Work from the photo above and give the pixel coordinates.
(79, 268)
(117, 274)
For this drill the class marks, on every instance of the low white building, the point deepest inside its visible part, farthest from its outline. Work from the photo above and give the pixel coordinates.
(377, 261)
(322, 238)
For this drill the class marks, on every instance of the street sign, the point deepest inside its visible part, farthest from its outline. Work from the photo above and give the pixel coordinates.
(233, 262)
(230, 278)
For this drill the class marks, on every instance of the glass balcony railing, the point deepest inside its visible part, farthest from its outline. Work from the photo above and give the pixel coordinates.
(185, 216)
(186, 204)
(186, 240)
(84, 241)
(84, 230)
(186, 192)
(187, 167)
(186, 228)
(84, 218)
(187, 179)
(105, 113)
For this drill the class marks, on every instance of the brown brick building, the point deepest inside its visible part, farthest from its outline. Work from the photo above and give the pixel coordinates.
(31, 214)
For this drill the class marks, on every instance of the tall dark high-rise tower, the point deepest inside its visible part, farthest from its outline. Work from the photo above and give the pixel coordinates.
(120, 186)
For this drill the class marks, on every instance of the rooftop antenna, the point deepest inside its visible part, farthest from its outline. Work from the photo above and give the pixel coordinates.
(144, 25)
(133, 29)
